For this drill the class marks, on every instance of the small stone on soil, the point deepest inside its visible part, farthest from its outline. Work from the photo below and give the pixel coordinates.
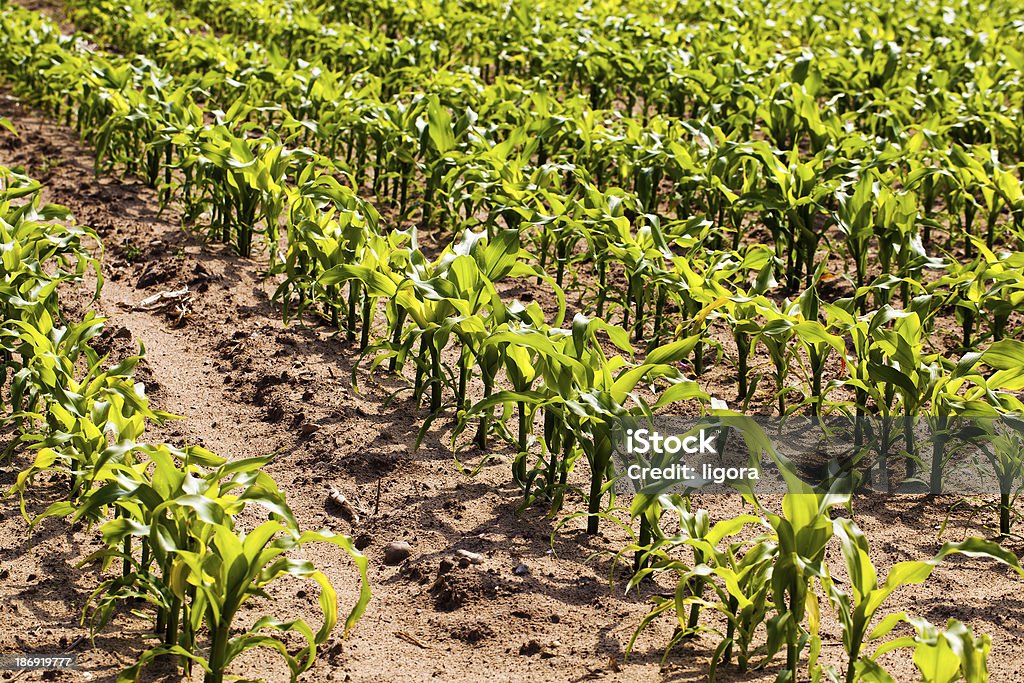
(467, 557)
(397, 552)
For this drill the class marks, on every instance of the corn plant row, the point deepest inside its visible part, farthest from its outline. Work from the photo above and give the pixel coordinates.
(483, 164)
(536, 373)
(428, 305)
(168, 516)
(869, 215)
(866, 215)
(561, 378)
(854, 62)
(643, 255)
(319, 205)
(683, 282)
(137, 116)
(756, 584)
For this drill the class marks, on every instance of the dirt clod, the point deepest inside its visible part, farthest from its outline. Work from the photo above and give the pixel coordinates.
(448, 595)
(472, 633)
(309, 428)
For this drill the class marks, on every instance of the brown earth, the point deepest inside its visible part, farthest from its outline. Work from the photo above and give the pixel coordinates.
(247, 385)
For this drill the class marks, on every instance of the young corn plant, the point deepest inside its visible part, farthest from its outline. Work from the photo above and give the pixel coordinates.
(854, 218)
(780, 335)
(997, 418)
(601, 405)
(225, 570)
(328, 226)
(876, 405)
(818, 343)
(902, 362)
(953, 654)
(738, 574)
(858, 605)
(1005, 453)
(240, 181)
(803, 532)
(795, 194)
(741, 313)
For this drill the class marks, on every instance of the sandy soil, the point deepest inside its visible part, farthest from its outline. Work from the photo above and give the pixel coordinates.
(248, 386)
